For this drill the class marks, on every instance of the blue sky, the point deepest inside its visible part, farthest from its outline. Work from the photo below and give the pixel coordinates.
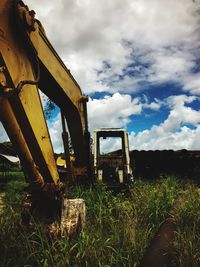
(139, 62)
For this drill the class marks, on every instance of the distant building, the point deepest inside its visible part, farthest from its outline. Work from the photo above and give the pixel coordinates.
(8, 159)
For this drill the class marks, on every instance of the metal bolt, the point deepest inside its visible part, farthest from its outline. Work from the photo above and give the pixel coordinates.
(2, 68)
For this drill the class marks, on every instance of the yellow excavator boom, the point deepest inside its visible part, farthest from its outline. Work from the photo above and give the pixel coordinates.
(28, 62)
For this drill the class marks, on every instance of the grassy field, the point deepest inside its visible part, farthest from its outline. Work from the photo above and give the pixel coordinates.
(118, 229)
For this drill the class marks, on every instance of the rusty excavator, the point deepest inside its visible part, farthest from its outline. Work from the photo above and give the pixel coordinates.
(28, 62)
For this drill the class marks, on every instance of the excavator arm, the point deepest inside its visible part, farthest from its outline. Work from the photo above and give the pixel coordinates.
(28, 61)
(59, 85)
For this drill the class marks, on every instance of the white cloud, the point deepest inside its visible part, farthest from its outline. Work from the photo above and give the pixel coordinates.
(173, 133)
(55, 131)
(110, 144)
(161, 34)
(112, 111)
(170, 65)
(154, 105)
(180, 114)
(192, 84)
(3, 135)
(44, 99)
(185, 138)
(109, 111)
(115, 45)
(115, 111)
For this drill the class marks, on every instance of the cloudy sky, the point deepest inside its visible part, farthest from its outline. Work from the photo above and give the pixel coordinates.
(138, 60)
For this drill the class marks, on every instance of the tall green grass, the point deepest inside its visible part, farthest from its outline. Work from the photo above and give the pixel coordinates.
(186, 247)
(118, 228)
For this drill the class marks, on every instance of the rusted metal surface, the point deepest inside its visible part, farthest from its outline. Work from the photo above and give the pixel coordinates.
(62, 217)
(112, 168)
(28, 61)
(18, 89)
(73, 216)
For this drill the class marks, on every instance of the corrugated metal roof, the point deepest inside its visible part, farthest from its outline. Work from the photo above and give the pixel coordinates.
(7, 149)
(10, 158)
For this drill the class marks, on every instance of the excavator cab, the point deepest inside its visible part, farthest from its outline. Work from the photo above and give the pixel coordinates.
(112, 167)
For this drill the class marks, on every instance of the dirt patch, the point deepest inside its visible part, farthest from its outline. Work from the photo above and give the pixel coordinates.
(156, 255)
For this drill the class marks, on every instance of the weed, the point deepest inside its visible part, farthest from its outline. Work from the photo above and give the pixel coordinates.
(118, 228)
(186, 245)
